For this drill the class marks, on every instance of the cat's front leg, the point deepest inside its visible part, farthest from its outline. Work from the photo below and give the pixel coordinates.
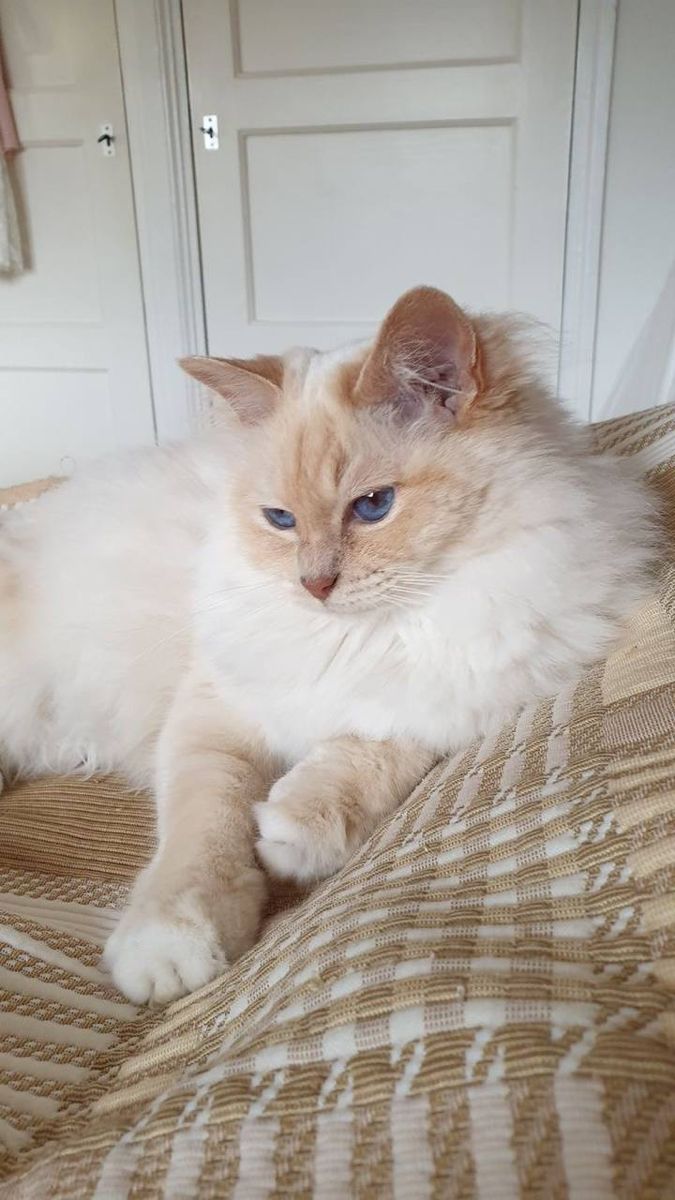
(197, 906)
(327, 805)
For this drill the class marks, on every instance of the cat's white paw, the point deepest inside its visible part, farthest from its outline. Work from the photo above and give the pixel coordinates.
(156, 958)
(282, 845)
(169, 943)
(299, 838)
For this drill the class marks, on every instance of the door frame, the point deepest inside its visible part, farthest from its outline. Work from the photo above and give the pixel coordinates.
(591, 115)
(154, 80)
(154, 73)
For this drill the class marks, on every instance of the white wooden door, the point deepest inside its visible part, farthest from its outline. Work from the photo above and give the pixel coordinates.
(73, 366)
(369, 145)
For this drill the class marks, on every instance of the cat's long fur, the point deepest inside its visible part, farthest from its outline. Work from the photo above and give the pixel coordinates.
(152, 622)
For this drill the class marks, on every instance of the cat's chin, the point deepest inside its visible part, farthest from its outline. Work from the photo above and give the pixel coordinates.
(359, 606)
(345, 606)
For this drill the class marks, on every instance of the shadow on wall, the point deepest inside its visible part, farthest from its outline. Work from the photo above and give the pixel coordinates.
(647, 376)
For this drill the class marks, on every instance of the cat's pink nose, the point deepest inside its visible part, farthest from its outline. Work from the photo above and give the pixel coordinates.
(320, 586)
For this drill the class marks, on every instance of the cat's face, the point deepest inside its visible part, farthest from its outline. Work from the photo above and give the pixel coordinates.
(355, 484)
(357, 512)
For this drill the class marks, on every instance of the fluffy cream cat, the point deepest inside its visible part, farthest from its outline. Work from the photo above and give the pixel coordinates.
(389, 551)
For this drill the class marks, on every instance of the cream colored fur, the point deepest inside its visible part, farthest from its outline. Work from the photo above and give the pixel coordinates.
(152, 621)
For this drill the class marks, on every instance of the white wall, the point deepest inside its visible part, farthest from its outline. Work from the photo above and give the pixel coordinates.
(638, 236)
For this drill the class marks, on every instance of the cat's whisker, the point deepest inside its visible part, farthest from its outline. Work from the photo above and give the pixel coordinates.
(394, 602)
(404, 594)
(170, 637)
(198, 611)
(411, 583)
(201, 609)
(249, 613)
(238, 588)
(410, 603)
(420, 592)
(421, 577)
(432, 581)
(405, 582)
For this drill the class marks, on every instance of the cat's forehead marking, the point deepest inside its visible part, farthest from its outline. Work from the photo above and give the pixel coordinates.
(297, 363)
(317, 456)
(324, 376)
(326, 453)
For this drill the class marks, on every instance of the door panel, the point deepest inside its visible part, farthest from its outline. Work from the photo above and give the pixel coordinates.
(303, 203)
(64, 286)
(74, 376)
(370, 145)
(314, 35)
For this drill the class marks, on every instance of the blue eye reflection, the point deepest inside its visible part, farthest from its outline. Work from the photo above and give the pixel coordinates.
(279, 517)
(374, 505)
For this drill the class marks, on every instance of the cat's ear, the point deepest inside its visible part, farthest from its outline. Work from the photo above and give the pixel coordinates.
(251, 386)
(426, 353)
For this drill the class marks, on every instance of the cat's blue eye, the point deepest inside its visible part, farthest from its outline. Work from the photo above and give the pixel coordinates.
(279, 517)
(374, 505)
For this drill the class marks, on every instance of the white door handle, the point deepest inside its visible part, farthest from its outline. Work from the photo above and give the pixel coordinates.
(106, 140)
(209, 127)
